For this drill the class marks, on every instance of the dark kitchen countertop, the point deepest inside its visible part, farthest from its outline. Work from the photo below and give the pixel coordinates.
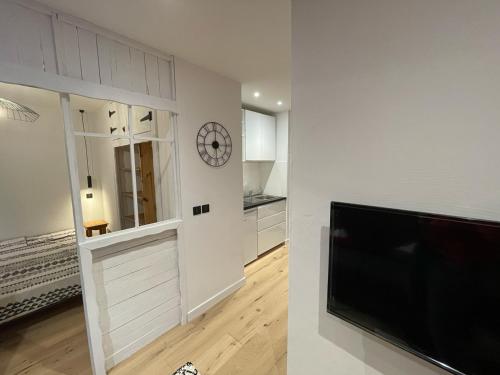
(260, 200)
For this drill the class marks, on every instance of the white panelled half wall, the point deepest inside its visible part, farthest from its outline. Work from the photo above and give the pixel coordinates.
(138, 295)
(38, 38)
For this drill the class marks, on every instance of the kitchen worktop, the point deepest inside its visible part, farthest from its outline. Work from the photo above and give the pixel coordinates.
(259, 200)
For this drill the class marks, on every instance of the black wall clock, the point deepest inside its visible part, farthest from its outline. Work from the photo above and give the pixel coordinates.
(214, 144)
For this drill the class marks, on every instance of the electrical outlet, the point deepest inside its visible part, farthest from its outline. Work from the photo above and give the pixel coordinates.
(196, 210)
(205, 208)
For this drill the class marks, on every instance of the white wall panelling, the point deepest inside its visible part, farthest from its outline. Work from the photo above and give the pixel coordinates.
(165, 78)
(105, 59)
(138, 71)
(26, 37)
(71, 65)
(152, 79)
(118, 64)
(89, 58)
(137, 285)
(51, 42)
(18, 74)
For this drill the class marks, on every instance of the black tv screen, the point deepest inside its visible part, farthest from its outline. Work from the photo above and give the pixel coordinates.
(428, 283)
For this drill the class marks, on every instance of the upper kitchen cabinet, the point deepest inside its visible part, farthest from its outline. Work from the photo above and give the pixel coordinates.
(259, 137)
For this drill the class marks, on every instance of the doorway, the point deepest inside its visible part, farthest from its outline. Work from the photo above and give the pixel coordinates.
(145, 175)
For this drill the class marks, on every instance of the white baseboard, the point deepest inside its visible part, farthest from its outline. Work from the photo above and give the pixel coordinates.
(212, 301)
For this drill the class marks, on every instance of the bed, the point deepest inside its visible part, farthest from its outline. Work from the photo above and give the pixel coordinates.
(36, 272)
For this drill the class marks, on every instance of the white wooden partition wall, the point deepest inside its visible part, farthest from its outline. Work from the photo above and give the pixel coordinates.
(132, 280)
(54, 43)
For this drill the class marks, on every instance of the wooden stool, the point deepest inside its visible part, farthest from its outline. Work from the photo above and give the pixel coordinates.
(92, 225)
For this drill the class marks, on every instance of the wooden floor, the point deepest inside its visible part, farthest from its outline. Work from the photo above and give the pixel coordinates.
(53, 341)
(244, 334)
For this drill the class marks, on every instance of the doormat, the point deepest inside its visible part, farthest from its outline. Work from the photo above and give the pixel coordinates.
(187, 369)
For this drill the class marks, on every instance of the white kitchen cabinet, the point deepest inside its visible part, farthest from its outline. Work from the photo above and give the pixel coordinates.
(271, 226)
(271, 209)
(260, 136)
(271, 237)
(271, 221)
(250, 236)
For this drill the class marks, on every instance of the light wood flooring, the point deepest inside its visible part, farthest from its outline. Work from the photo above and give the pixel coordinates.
(244, 334)
(53, 341)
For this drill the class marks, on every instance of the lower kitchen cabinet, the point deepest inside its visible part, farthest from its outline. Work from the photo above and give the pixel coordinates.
(250, 236)
(264, 228)
(271, 237)
(271, 226)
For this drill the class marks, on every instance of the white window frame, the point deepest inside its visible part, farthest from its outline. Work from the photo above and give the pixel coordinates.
(18, 75)
(87, 246)
(133, 140)
(26, 76)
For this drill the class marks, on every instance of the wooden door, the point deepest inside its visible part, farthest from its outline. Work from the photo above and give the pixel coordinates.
(124, 184)
(148, 182)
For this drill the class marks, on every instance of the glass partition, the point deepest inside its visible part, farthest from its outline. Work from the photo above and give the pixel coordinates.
(101, 191)
(155, 198)
(40, 274)
(121, 189)
(99, 116)
(148, 123)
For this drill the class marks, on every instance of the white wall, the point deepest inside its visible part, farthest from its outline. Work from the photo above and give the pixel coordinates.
(276, 183)
(213, 241)
(255, 176)
(395, 103)
(34, 183)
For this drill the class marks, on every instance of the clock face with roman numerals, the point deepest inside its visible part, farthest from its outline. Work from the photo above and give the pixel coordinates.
(214, 144)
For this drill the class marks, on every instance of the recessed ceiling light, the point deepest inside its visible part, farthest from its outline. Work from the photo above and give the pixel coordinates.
(279, 102)
(256, 94)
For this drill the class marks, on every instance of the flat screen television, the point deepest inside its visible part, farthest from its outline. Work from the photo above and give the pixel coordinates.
(427, 283)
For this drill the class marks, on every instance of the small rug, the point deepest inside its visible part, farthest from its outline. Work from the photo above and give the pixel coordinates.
(187, 369)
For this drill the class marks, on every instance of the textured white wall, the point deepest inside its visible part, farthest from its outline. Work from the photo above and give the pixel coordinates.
(213, 241)
(395, 103)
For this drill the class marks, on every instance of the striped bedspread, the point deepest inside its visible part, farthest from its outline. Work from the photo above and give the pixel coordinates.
(36, 272)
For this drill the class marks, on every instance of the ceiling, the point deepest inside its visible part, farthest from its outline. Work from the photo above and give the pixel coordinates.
(247, 40)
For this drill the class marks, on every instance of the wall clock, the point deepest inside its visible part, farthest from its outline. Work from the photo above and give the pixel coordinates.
(214, 144)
